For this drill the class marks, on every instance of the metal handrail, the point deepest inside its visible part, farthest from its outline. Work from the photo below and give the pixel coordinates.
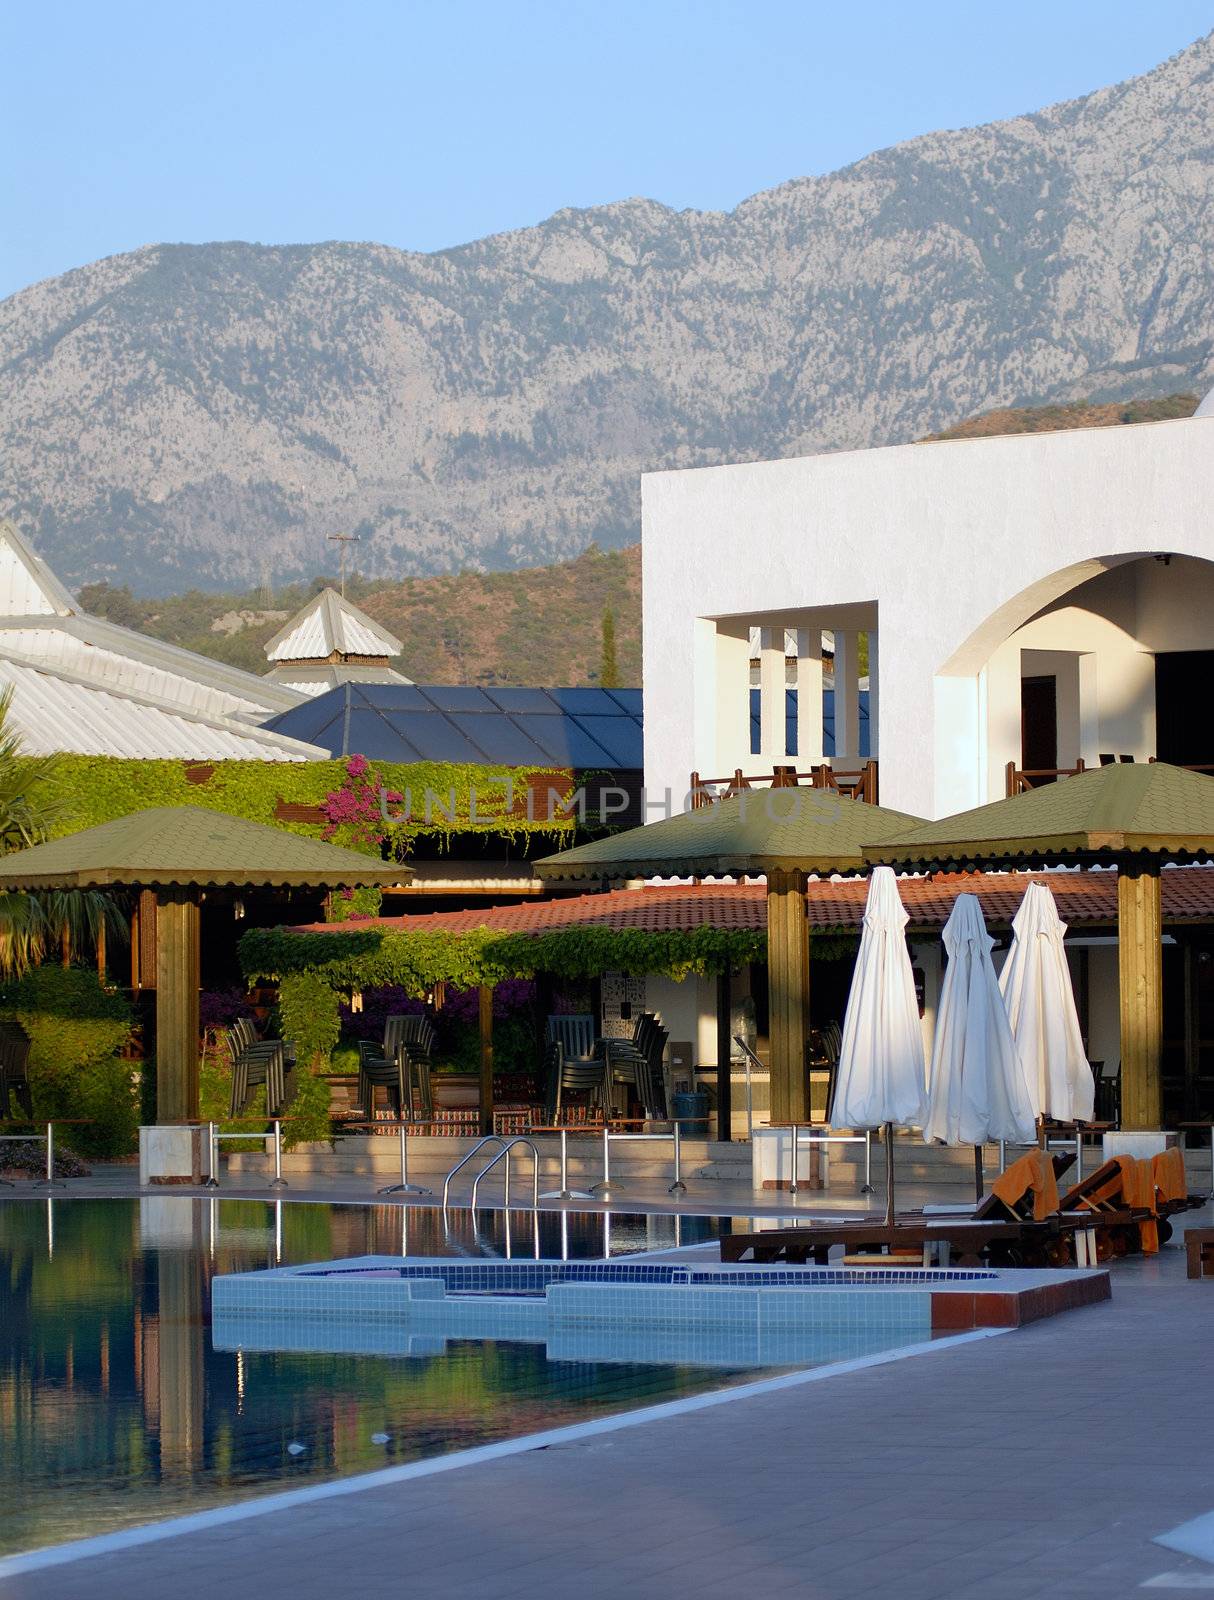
(535, 1172)
(489, 1138)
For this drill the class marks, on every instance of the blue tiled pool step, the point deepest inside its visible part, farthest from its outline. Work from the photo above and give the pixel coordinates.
(602, 1311)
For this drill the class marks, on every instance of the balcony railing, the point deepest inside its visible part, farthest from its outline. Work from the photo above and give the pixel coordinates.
(1021, 779)
(856, 782)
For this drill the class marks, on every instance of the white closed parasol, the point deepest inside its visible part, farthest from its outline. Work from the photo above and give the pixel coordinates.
(1036, 987)
(880, 1077)
(977, 1088)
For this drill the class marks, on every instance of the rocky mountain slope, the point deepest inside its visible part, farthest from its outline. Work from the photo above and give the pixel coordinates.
(208, 414)
(538, 625)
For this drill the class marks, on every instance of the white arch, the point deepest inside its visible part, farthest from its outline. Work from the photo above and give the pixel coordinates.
(970, 657)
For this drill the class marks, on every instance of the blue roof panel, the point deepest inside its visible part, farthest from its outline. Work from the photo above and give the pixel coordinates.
(620, 736)
(455, 698)
(535, 700)
(564, 743)
(579, 728)
(500, 740)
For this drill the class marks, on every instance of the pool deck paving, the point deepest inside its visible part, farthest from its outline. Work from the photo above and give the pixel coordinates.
(1039, 1462)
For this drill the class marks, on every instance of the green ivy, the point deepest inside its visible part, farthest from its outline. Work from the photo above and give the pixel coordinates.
(76, 1030)
(308, 1012)
(96, 789)
(350, 958)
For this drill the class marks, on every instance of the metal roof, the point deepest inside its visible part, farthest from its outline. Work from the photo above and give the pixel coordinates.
(41, 622)
(185, 846)
(1148, 809)
(811, 830)
(330, 625)
(578, 728)
(1087, 899)
(55, 712)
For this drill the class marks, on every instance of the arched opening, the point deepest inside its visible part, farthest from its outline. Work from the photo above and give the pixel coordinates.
(1106, 660)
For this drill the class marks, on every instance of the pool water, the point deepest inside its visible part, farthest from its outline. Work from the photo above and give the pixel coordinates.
(115, 1407)
(121, 1402)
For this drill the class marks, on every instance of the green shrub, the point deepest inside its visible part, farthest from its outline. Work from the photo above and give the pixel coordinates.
(307, 1008)
(345, 1060)
(76, 1030)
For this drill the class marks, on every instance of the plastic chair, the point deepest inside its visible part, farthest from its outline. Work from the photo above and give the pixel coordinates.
(574, 1034)
(256, 1062)
(577, 1076)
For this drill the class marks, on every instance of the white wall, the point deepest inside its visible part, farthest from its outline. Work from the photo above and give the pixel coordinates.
(956, 545)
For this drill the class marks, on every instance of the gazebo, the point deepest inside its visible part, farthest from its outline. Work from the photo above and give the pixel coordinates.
(1133, 817)
(786, 835)
(179, 853)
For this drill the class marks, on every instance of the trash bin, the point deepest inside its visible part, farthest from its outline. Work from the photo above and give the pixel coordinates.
(694, 1105)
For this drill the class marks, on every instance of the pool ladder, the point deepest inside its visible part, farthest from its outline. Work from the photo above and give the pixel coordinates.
(507, 1146)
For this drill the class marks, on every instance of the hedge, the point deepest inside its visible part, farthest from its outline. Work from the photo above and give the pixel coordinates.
(76, 1030)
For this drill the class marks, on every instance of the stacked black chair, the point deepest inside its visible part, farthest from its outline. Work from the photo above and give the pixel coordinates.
(256, 1062)
(637, 1064)
(570, 1075)
(399, 1063)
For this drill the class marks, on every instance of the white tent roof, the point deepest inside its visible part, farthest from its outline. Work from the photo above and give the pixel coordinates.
(329, 625)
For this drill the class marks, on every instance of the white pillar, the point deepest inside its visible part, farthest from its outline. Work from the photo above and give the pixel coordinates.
(874, 698)
(773, 738)
(847, 695)
(731, 746)
(809, 698)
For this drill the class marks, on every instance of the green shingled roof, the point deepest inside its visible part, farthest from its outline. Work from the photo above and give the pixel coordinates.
(184, 846)
(1152, 809)
(814, 830)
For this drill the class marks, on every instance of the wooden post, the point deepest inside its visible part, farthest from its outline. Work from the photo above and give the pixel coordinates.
(724, 1051)
(788, 994)
(177, 977)
(1140, 970)
(485, 996)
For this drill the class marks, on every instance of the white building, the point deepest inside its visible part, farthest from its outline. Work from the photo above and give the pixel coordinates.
(329, 642)
(1026, 601)
(85, 686)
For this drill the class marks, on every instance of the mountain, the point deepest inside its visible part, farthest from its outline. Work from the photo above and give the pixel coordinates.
(206, 415)
(538, 626)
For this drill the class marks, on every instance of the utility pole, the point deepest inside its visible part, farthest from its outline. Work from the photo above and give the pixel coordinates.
(344, 540)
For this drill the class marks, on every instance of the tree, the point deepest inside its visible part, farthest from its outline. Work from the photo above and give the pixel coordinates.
(32, 926)
(609, 669)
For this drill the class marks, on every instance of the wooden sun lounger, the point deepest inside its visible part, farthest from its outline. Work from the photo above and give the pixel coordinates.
(971, 1242)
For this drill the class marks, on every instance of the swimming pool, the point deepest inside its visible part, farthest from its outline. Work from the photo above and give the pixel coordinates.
(119, 1404)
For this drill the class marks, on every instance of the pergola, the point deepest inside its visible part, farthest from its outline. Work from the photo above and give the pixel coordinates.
(180, 853)
(1132, 817)
(785, 835)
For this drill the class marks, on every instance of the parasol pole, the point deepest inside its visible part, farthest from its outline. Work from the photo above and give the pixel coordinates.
(887, 1133)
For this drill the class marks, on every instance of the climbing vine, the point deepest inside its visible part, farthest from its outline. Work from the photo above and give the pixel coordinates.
(443, 799)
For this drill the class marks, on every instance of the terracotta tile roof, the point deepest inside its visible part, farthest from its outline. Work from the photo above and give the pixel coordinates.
(1084, 899)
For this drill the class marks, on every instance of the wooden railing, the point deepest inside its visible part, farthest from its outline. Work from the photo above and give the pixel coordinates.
(1020, 780)
(856, 782)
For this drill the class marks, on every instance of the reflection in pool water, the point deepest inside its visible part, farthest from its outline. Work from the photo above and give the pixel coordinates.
(115, 1408)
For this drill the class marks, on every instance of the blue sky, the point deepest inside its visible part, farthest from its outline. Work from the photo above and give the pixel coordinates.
(424, 125)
